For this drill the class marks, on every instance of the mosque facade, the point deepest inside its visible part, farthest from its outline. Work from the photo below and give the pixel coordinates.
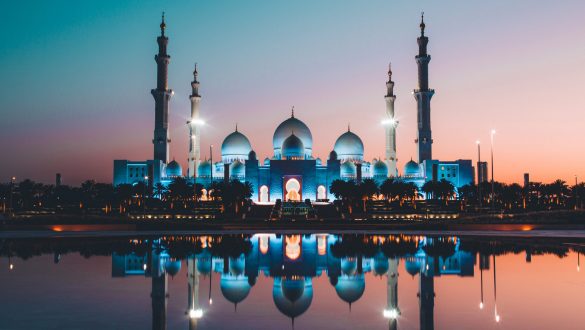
(292, 172)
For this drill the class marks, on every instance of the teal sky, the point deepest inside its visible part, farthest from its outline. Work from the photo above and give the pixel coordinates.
(76, 79)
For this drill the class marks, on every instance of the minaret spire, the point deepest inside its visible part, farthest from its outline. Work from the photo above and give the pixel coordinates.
(292, 112)
(423, 97)
(390, 126)
(162, 95)
(194, 128)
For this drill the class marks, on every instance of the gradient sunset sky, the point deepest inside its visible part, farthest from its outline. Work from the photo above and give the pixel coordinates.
(77, 77)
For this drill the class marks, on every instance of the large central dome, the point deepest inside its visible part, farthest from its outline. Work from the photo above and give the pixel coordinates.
(288, 127)
(349, 147)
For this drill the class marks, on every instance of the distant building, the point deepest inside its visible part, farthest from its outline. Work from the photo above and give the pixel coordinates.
(482, 172)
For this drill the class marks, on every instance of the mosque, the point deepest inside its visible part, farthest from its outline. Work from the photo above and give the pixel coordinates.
(292, 172)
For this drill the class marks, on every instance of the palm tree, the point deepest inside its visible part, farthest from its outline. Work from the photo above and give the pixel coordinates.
(367, 189)
(388, 188)
(160, 191)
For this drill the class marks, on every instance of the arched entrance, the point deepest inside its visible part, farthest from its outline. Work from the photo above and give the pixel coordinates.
(321, 192)
(264, 194)
(293, 190)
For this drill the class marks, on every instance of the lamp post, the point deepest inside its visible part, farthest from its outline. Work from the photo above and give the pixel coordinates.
(144, 197)
(12, 182)
(493, 132)
(478, 172)
(576, 193)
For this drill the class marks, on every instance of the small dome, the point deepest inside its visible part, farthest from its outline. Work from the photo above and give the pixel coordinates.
(350, 288)
(235, 146)
(289, 126)
(348, 266)
(411, 169)
(381, 265)
(412, 266)
(293, 147)
(204, 169)
(173, 169)
(234, 289)
(204, 263)
(349, 147)
(332, 155)
(348, 169)
(266, 161)
(380, 168)
(172, 267)
(237, 169)
(252, 155)
(292, 297)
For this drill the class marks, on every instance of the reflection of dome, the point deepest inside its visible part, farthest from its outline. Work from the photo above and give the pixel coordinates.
(348, 266)
(252, 155)
(381, 265)
(412, 266)
(204, 263)
(237, 265)
(173, 169)
(234, 289)
(348, 169)
(237, 169)
(204, 169)
(292, 297)
(235, 146)
(172, 267)
(318, 161)
(380, 168)
(266, 161)
(293, 147)
(349, 147)
(284, 130)
(350, 288)
(411, 169)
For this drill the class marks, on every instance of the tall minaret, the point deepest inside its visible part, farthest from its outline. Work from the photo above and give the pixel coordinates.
(423, 97)
(391, 124)
(194, 128)
(162, 95)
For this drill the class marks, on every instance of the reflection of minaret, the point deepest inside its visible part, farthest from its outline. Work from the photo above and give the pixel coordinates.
(193, 310)
(484, 264)
(423, 97)
(391, 124)
(426, 298)
(392, 307)
(159, 294)
(162, 95)
(496, 315)
(194, 129)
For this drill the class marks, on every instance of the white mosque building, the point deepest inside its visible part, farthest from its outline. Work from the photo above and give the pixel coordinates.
(292, 172)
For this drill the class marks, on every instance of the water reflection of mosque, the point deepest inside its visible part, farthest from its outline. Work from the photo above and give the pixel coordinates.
(293, 261)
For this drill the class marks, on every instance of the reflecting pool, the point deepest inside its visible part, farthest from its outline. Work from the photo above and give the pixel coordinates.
(301, 281)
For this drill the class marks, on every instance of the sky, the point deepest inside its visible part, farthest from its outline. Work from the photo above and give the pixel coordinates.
(76, 80)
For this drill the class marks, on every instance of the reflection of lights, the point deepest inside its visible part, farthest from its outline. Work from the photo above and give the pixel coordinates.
(322, 245)
(497, 318)
(144, 266)
(264, 244)
(11, 267)
(481, 305)
(196, 313)
(391, 313)
(293, 247)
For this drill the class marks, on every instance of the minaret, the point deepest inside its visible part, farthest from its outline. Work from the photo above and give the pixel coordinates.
(194, 128)
(391, 124)
(162, 95)
(423, 97)
(392, 294)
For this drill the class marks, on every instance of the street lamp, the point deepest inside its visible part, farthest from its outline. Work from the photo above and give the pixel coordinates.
(391, 313)
(493, 132)
(12, 182)
(195, 313)
(144, 197)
